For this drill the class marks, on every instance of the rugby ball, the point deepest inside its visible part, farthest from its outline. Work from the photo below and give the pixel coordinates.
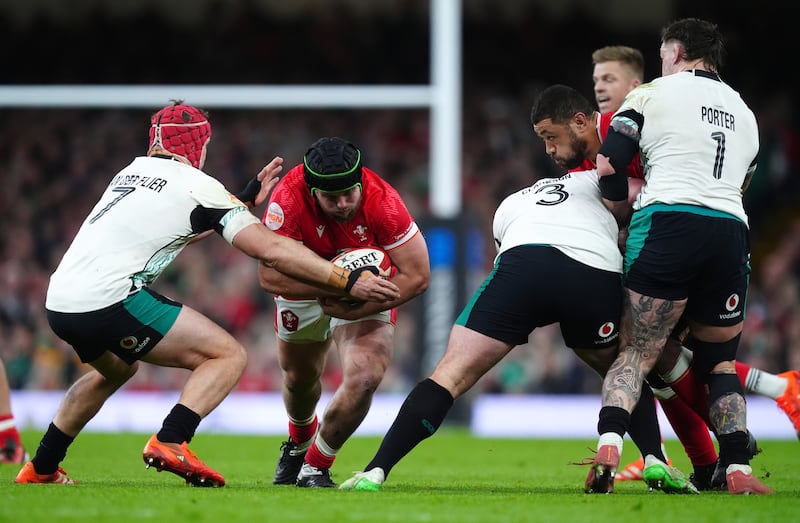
(356, 257)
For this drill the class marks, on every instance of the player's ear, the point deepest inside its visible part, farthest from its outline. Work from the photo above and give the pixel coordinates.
(580, 120)
(678, 51)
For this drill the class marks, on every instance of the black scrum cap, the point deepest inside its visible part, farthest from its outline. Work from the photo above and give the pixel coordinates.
(332, 165)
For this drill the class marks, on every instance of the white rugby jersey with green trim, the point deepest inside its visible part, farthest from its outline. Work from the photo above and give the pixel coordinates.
(140, 224)
(566, 213)
(698, 140)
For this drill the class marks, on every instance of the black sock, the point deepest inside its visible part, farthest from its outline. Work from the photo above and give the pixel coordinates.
(179, 425)
(655, 381)
(613, 419)
(420, 416)
(52, 450)
(644, 429)
(733, 448)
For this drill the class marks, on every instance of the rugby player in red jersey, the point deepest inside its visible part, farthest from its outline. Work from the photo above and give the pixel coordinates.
(332, 202)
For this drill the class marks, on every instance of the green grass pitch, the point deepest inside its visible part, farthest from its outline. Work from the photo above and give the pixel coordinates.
(451, 477)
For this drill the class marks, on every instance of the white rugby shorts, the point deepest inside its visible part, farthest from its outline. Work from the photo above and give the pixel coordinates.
(302, 321)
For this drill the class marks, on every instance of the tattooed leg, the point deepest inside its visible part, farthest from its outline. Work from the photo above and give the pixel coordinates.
(728, 414)
(646, 324)
(726, 404)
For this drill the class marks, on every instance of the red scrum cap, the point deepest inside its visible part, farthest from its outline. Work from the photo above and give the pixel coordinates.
(182, 130)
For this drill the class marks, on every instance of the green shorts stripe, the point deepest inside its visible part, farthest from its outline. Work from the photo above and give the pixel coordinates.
(465, 313)
(159, 314)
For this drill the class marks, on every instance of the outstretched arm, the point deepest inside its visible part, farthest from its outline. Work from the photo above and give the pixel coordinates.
(272, 280)
(294, 259)
(256, 191)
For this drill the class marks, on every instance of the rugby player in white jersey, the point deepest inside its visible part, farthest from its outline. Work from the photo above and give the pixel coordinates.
(617, 70)
(561, 227)
(688, 244)
(99, 299)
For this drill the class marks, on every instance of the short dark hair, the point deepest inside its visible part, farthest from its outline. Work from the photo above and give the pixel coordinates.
(700, 40)
(559, 103)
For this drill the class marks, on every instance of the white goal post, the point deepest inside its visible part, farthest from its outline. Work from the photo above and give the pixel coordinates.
(442, 97)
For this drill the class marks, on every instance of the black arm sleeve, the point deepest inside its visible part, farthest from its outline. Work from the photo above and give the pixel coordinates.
(250, 191)
(614, 187)
(204, 219)
(620, 146)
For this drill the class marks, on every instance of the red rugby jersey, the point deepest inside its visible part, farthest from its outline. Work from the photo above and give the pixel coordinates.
(382, 218)
(634, 169)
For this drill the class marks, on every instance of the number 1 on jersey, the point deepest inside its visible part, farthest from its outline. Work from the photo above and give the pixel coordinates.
(719, 137)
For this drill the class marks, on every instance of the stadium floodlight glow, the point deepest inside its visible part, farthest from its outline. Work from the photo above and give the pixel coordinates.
(442, 97)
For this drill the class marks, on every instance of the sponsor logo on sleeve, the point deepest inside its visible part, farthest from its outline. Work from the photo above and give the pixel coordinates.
(274, 218)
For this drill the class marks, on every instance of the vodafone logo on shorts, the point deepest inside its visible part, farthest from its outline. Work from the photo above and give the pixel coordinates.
(732, 302)
(132, 343)
(128, 342)
(274, 216)
(731, 305)
(606, 329)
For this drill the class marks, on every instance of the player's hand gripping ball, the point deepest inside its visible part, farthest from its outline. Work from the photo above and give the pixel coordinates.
(356, 257)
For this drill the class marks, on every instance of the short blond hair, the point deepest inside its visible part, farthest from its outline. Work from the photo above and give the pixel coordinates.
(628, 56)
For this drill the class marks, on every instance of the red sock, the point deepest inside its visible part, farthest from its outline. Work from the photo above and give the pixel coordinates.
(316, 458)
(691, 431)
(8, 430)
(742, 370)
(692, 391)
(302, 433)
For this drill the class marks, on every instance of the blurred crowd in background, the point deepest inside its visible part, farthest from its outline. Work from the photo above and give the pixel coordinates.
(54, 163)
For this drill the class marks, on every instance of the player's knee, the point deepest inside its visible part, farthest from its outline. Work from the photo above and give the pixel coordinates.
(707, 355)
(365, 379)
(121, 374)
(364, 370)
(721, 385)
(298, 380)
(113, 370)
(229, 352)
(238, 358)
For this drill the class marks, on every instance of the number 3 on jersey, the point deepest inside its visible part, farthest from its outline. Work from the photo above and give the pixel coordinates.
(554, 194)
